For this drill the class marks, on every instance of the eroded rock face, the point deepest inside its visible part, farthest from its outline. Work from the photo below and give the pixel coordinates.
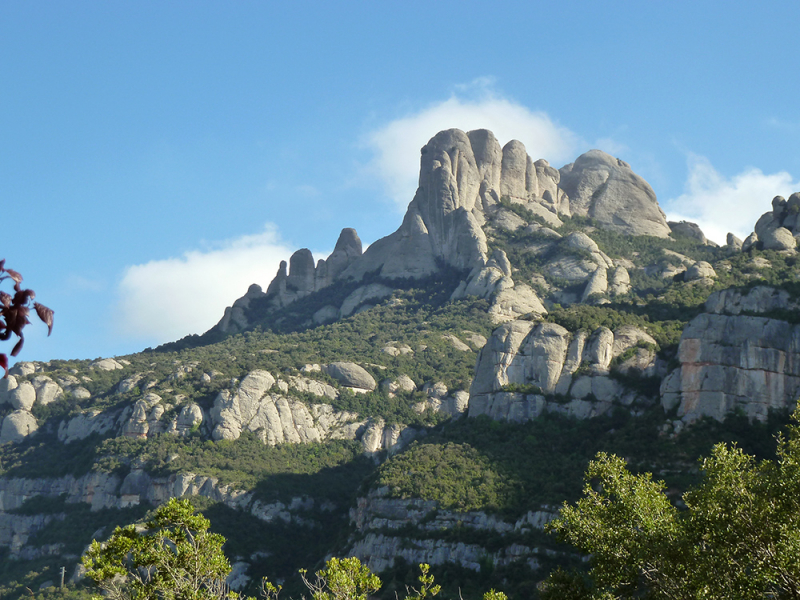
(733, 361)
(274, 417)
(83, 425)
(376, 514)
(605, 188)
(565, 372)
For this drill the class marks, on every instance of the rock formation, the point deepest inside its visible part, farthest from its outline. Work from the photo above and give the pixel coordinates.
(463, 178)
(562, 371)
(606, 189)
(734, 361)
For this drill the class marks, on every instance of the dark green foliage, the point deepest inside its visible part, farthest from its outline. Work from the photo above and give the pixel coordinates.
(736, 537)
(519, 467)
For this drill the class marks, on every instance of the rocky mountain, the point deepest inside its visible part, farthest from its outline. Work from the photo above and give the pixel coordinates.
(434, 398)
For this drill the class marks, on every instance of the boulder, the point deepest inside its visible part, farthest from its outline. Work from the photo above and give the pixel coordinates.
(514, 170)
(779, 238)
(350, 375)
(750, 241)
(326, 314)
(84, 424)
(514, 302)
(190, 416)
(505, 219)
(620, 283)
(17, 426)
(457, 343)
(700, 270)
(687, 229)
(23, 396)
(23, 368)
(47, 390)
(733, 242)
(403, 383)
(6, 385)
(106, 364)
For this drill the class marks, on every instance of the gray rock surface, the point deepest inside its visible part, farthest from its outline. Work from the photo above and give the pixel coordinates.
(106, 364)
(351, 375)
(779, 238)
(687, 229)
(597, 284)
(733, 242)
(549, 358)
(6, 385)
(84, 424)
(700, 270)
(620, 283)
(605, 188)
(17, 426)
(372, 291)
(23, 396)
(733, 361)
(375, 515)
(47, 390)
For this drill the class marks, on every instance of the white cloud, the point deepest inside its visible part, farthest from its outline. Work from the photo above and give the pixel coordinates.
(397, 144)
(721, 205)
(164, 300)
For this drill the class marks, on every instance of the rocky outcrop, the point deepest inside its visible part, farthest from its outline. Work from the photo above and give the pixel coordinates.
(302, 278)
(277, 419)
(85, 424)
(731, 359)
(700, 271)
(526, 369)
(493, 281)
(17, 426)
(688, 229)
(351, 375)
(377, 515)
(606, 189)
(465, 183)
(776, 229)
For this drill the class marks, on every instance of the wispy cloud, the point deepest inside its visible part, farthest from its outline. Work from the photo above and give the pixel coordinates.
(396, 145)
(163, 300)
(782, 125)
(720, 204)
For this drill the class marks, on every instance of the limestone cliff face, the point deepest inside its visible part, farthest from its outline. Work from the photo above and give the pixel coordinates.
(570, 372)
(732, 359)
(376, 517)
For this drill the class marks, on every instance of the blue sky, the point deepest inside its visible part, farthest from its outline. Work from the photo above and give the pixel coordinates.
(157, 157)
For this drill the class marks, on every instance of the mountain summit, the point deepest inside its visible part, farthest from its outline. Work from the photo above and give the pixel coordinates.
(464, 180)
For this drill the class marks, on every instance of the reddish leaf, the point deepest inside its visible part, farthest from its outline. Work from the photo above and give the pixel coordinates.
(4, 364)
(2, 265)
(46, 315)
(22, 296)
(5, 299)
(14, 275)
(17, 347)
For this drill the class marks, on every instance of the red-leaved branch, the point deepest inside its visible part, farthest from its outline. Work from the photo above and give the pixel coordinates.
(14, 311)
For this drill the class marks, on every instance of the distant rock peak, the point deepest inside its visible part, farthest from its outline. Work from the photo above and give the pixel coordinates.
(462, 179)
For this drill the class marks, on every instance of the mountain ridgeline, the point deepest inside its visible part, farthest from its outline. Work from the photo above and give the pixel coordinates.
(434, 398)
